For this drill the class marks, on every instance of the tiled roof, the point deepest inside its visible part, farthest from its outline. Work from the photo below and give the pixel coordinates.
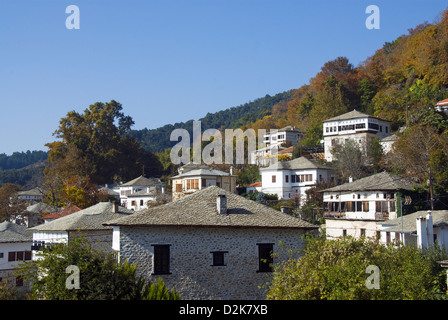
(199, 209)
(443, 102)
(301, 163)
(439, 218)
(354, 114)
(11, 232)
(62, 213)
(379, 181)
(91, 218)
(142, 182)
(256, 184)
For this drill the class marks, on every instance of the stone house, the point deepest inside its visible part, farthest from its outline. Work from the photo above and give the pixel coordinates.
(355, 208)
(212, 244)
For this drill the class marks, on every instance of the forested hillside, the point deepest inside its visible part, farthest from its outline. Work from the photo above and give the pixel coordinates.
(157, 140)
(23, 168)
(400, 82)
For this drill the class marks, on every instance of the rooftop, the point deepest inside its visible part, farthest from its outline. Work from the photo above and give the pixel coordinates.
(11, 232)
(200, 209)
(354, 114)
(439, 218)
(142, 182)
(91, 218)
(380, 181)
(201, 172)
(301, 163)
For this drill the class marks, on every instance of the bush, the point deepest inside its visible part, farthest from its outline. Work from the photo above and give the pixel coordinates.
(336, 269)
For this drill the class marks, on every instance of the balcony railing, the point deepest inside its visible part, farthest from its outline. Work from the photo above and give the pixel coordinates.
(347, 215)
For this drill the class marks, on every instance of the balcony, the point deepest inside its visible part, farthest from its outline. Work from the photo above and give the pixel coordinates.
(377, 216)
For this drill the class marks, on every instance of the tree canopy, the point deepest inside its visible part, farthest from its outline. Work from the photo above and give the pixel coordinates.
(94, 148)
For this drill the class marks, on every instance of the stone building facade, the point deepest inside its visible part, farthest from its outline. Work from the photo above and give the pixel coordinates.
(212, 244)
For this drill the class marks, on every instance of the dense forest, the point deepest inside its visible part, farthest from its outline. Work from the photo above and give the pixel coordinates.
(23, 168)
(157, 140)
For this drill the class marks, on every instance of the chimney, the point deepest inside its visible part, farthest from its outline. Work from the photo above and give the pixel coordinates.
(221, 203)
(422, 237)
(284, 209)
(114, 207)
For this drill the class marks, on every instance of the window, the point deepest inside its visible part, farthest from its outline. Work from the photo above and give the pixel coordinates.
(286, 178)
(293, 178)
(204, 183)
(161, 259)
(1, 254)
(265, 259)
(274, 178)
(179, 187)
(344, 232)
(19, 255)
(133, 203)
(363, 232)
(218, 258)
(192, 184)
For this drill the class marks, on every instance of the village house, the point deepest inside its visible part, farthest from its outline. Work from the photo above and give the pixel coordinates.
(277, 141)
(87, 222)
(354, 125)
(193, 177)
(33, 215)
(355, 208)
(15, 246)
(136, 194)
(442, 106)
(419, 229)
(33, 195)
(212, 244)
(291, 179)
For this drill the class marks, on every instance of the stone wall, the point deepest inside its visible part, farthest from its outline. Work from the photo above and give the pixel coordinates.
(192, 273)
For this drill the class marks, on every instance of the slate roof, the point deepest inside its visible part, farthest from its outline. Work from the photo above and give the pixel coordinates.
(142, 182)
(41, 207)
(33, 192)
(439, 218)
(199, 209)
(91, 218)
(301, 163)
(11, 232)
(202, 172)
(354, 114)
(380, 181)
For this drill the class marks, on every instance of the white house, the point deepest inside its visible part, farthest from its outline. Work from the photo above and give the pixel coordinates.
(194, 177)
(354, 125)
(15, 246)
(420, 229)
(275, 141)
(354, 208)
(291, 179)
(212, 244)
(147, 189)
(442, 106)
(33, 195)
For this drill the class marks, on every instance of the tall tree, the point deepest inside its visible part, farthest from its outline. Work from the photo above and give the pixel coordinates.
(95, 148)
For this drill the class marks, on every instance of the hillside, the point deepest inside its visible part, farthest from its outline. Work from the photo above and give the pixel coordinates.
(157, 140)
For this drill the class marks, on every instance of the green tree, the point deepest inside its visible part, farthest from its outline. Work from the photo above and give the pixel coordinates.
(101, 276)
(336, 269)
(95, 146)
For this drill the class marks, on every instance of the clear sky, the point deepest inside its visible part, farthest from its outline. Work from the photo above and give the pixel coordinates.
(169, 61)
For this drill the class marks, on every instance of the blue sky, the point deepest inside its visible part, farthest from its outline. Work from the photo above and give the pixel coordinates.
(170, 61)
